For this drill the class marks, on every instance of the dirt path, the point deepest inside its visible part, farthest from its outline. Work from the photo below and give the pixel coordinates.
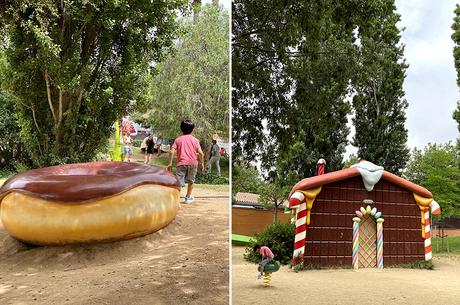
(185, 263)
(345, 286)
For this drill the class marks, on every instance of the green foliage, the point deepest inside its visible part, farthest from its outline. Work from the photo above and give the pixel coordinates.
(12, 150)
(456, 117)
(379, 103)
(436, 168)
(456, 39)
(116, 152)
(421, 264)
(210, 179)
(294, 66)
(137, 142)
(74, 67)
(279, 237)
(192, 83)
(352, 159)
(272, 197)
(245, 179)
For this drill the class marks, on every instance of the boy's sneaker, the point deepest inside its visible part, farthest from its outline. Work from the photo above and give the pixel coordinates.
(188, 199)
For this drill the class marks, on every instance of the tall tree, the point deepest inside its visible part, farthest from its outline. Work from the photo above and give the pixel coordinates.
(379, 103)
(292, 62)
(75, 66)
(192, 83)
(456, 39)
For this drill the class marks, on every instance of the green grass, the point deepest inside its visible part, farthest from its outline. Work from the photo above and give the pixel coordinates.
(454, 245)
(420, 264)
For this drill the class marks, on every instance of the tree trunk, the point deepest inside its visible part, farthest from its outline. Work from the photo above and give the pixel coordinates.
(275, 213)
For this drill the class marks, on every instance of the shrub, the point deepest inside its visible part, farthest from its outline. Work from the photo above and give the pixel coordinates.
(279, 237)
(137, 142)
(210, 179)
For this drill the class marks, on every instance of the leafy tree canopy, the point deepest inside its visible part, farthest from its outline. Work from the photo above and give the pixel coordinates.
(293, 63)
(245, 179)
(192, 83)
(272, 197)
(436, 168)
(74, 67)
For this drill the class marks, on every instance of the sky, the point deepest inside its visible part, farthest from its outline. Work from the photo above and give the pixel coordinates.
(430, 84)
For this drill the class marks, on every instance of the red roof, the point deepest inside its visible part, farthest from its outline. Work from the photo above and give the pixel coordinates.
(343, 174)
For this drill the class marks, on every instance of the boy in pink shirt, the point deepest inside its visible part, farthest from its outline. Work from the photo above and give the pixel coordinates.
(187, 148)
(267, 256)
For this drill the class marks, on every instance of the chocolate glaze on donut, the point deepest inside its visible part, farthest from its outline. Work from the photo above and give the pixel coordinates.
(85, 181)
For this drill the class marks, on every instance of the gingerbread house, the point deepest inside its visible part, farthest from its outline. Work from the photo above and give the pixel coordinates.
(361, 216)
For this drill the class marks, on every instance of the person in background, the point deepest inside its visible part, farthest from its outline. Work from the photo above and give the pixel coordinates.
(144, 144)
(214, 157)
(147, 147)
(128, 148)
(188, 150)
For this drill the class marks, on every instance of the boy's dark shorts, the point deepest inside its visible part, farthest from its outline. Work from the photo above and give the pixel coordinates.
(186, 173)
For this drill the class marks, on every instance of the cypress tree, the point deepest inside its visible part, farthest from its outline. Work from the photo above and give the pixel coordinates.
(379, 103)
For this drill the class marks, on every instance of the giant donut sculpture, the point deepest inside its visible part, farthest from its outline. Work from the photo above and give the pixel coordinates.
(88, 202)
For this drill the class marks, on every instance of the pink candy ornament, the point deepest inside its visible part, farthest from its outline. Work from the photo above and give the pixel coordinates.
(359, 214)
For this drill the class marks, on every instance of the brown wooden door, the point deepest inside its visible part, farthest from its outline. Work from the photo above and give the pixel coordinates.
(367, 242)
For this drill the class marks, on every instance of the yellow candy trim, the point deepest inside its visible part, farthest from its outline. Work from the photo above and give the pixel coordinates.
(310, 196)
(422, 201)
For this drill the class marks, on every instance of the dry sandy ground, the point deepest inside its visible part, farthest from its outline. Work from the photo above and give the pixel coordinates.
(345, 286)
(185, 263)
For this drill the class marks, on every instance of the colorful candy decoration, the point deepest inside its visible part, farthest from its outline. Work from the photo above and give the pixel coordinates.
(425, 205)
(380, 244)
(373, 211)
(428, 250)
(356, 220)
(355, 244)
(368, 201)
(368, 209)
(302, 201)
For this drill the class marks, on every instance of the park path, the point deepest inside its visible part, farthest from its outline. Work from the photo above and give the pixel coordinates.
(185, 263)
(348, 287)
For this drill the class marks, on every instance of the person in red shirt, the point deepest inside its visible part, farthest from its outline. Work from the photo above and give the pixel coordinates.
(187, 148)
(267, 256)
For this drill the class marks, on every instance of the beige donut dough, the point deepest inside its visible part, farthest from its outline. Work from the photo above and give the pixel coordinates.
(138, 211)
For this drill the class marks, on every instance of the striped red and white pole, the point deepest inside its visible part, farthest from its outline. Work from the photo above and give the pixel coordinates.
(297, 201)
(428, 248)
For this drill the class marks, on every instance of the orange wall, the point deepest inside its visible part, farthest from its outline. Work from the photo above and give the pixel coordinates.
(250, 221)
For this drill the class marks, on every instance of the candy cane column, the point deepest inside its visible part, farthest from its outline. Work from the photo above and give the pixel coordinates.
(425, 205)
(302, 201)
